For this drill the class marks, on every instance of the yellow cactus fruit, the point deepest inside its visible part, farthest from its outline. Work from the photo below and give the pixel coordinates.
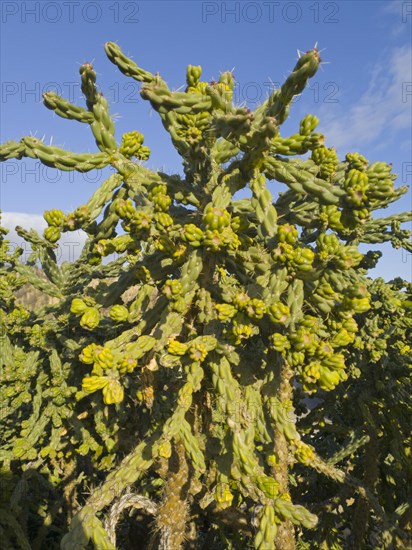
(119, 313)
(90, 318)
(165, 449)
(177, 348)
(113, 392)
(78, 307)
(91, 384)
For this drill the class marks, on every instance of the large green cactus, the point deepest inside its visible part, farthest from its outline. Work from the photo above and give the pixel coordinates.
(181, 368)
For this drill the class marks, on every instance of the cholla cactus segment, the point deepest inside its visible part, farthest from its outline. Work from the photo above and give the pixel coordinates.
(221, 344)
(65, 109)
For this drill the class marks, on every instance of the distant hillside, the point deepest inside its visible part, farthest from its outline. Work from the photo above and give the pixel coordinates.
(31, 298)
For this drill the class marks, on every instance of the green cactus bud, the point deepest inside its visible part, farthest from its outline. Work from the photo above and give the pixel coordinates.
(296, 358)
(165, 245)
(326, 159)
(157, 189)
(334, 361)
(352, 217)
(268, 486)
(304, 340)
(350, 325)
(229, 237)
(311, 373)
(143, 274)
(349, 256)
(227, 80)
(324, 349)
(82, 214)
(240, 330)
(214, 240)
(330, 216)
(283, 253)
(354, 178)
(358, 305)
(303, 259)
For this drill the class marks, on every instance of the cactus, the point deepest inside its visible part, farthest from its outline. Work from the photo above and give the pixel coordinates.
(182, 368)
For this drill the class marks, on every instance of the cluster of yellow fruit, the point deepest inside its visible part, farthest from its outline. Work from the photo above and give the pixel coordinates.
(58, 222)
(191, 127)
(196, 349)
(132, 146)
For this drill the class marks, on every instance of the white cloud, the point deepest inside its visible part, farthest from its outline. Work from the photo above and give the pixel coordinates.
(69, 246)
(382, 111)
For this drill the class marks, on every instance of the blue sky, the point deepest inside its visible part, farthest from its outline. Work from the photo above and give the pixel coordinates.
(363, 95)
